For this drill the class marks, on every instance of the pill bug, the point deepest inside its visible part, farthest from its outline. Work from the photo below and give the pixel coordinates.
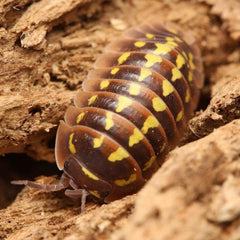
(133, 109)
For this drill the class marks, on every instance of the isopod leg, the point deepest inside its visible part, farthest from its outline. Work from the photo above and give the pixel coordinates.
(77, 193)
(62, 184)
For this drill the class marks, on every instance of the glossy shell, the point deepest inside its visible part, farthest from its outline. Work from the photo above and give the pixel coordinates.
(133, 109)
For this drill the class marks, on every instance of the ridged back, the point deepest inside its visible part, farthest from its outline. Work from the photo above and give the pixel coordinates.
(133, 109)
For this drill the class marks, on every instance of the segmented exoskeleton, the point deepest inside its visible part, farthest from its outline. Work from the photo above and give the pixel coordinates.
(133, 109)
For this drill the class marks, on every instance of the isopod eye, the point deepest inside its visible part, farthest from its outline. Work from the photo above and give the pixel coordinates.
(66, 165)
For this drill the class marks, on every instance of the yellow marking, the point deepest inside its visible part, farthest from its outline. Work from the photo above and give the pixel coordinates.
(150, 122)
(140, 44)
(104, 84)
(149, 35)
(167, 88)
(95, 193)
(187, 97)
(118, 155)
(135, 138)
(109, 121)
(173, 31)
(92, 99)
(179, 116)
(123, 102)
(180, 61)
(114, 70)
(134, 89)
(178, 39)
(123, 57)
(97, 142)
(89, 174)
(190, 76)
(169, 39)
(123, 182)
(192, 66)
(71, 145)
(185, 55)
(172, 43)
(163, 147)
(158, 104)
(162, 49)
(80, 117)
(148, 164)
(176, 74)
(144, 73)
(152, 59)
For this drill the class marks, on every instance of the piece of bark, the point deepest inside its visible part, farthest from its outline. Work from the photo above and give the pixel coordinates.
(38, 70)
(228, 11)
(224, 105)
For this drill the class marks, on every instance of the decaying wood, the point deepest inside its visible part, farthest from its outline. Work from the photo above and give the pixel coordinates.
(38, 64)
(46, 51)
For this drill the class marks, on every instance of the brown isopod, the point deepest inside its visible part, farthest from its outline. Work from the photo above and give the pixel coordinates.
(133, 109)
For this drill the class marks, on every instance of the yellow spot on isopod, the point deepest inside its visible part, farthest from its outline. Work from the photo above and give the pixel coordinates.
(89, 174)
(97, 142)
(167, 88)
(123, 102)
(150, 122)
(152, 59)
(140, 44)
(123, 57)
(118, 155)
(104, 84)
(162, 49)
(178, 39)
(92, 99)
(173, 31)
(135, 138)
(180, 61)
(185, 55)
(179, 116)
(123, 182)
(71, 145)
(148, 164)
(149, 35)
(114, 71)
(190, 76)
(109, 121)
(144, 73)
(95, 193)
(176, 74)
(172, 44)
(80, 117)
(171, 41)
(163, 147)
(187, 97)
(158, 104)
(134, 89)
(192, 66)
